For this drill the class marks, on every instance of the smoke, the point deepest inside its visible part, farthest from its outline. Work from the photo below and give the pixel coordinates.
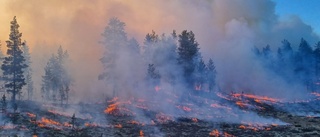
(225, 29)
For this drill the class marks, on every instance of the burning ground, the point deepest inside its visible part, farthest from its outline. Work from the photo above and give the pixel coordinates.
(234, 114)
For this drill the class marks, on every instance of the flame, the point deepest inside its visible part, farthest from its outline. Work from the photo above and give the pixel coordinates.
(162, 118)
(184, 108)
(46, 121)
(34, 136)
(225, 134)
(31, 115)
(90, 124)
(141, 134)
(111, 108)
(116, 108)
(118, 126)
(133, 122)
(214, 132)
(49, 121)
(242, 127)
(10, 126)
(241, 104)
(255, 97)
(195, 120)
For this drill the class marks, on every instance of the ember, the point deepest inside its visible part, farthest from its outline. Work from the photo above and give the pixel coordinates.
(214, 133)
(141, 134)
(195, 120)
(118, 126)
(184, 108)
(31, 115)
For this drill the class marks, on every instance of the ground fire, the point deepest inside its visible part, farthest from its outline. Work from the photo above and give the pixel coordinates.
(154, 68)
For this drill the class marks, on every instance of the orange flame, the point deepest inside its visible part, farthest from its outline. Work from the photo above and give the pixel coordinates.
(184, 108)
(195, 120)
(141, 134)
(214, 133)
(90, 124)
(31, 115)
(49, 121)
(118, 126)
(225, 134)
(240, 103)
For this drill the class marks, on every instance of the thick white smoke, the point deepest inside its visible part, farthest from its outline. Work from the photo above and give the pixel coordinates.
(225, 29)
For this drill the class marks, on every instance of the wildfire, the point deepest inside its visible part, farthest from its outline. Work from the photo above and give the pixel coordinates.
(141, 134)
(242, 127)
(118, 126)
(111, 108)
(133, 122)
(49, 121)
(162, 118)
(31, 115)
(195, 120)
(90, 124)
(8, 127)
(214, 132)
(241, 104)
(184, 108)
(225, 134)
(316, 94)
(255, 97)
(45, 121)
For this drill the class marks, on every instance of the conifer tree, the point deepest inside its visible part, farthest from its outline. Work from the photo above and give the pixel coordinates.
(211, 74)
(114, 40)
(14, 62)
(56, 80)
(316, 54)
(188, 53)
(153, 76)
(28, 70)
(3, 103)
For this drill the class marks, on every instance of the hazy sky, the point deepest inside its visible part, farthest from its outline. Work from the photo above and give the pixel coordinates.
(225, 29)
(307, 10)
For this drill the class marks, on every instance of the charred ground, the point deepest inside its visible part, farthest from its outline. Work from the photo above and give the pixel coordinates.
(38, 119)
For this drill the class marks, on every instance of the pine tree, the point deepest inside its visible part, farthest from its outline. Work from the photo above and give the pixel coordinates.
(153, 76)
(28, 70)
(56, 80)
(304, 63)
(316, 54)
(114, 40)
(3, 103)
(266, 51)
(14, 63)
(188, 53)
(200, 74)
(211, 74)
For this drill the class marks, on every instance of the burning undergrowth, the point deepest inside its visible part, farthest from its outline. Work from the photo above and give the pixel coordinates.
(234, 114)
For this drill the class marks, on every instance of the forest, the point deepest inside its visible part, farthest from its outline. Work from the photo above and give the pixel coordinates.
(240, 81)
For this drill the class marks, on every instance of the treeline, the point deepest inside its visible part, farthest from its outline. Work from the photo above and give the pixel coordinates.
(172, 59)
(16, 78)
(300, 66)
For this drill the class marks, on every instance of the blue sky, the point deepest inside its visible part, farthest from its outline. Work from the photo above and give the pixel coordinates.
(307, 10)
